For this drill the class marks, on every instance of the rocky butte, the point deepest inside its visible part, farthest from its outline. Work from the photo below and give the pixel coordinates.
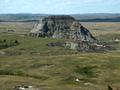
(61, 26)
(76, 36)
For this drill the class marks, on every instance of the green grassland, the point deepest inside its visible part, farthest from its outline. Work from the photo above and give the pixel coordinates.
(32, 62)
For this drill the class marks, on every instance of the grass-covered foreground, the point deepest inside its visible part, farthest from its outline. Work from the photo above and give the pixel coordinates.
(32, 62)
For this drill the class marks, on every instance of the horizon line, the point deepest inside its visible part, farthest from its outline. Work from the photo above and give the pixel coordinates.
(61, 14)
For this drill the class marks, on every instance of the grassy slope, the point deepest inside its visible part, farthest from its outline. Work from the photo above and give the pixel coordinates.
(56, 68)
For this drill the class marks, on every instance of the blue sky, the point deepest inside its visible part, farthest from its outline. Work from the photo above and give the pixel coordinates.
(60, 6)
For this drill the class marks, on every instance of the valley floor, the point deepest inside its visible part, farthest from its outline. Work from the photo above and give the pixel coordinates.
(32, 62)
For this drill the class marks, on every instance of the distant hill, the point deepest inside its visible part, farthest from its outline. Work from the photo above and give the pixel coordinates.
(117, 19)
(94, 17)
(98, 17)
(20, 17)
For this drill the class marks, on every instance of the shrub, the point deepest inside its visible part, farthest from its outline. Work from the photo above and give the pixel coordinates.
(5, 44)
(16, 42)
(11, 72)
(4, 40)
(86, 70)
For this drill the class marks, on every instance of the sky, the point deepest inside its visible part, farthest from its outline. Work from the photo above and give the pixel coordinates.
(59, 6)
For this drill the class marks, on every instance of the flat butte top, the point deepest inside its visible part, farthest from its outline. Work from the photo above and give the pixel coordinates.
(59, 17)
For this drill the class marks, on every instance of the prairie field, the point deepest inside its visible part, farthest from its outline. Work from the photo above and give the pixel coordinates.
(103, 28)
(32, 62)
(18, 27)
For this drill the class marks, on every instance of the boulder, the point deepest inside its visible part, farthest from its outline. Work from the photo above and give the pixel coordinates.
(2, 52)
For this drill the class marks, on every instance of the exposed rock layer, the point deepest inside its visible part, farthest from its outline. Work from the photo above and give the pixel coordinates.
(63, 26)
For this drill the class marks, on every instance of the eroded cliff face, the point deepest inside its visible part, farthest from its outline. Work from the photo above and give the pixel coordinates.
(65, 27)
(76, 36)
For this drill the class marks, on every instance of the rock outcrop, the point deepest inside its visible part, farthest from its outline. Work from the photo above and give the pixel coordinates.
(76, 36)
(61, 26)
